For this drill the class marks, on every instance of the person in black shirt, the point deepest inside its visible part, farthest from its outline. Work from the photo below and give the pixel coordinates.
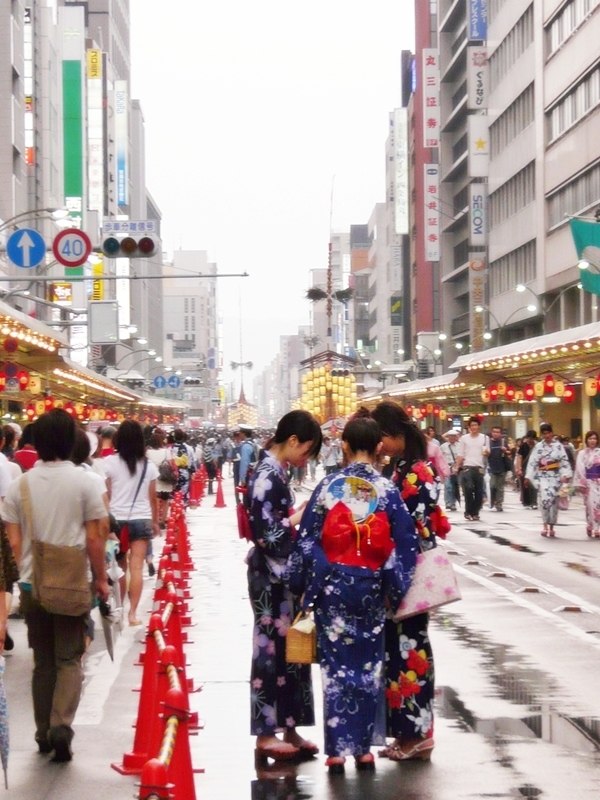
(528, 493)
(498, 465)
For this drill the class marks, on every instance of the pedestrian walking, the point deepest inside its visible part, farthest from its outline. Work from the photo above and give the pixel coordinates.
(547, 469)
(281, 693)
(473, 449)
(498, 465)
(435, 455)
(59, 505)
(409, 665)
(131, 485)
(329, 456)
(185, 461)
(161, 455)
(528, 490)
(343, 565)
(587, 478)
(451, 485)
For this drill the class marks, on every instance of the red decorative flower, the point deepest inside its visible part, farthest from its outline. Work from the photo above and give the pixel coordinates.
(423, 472)
(408, 687)
(393, 696)
(417, 662)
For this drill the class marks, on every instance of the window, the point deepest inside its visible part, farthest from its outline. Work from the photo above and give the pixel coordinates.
(185, 305)
(185, 324)
(511, 48)
(515, 267)
(193, 323)
(494, 7)
(193, 305)
(512, 196)
(512, 121)
(564, 23)
(572, 107)
(575, 196)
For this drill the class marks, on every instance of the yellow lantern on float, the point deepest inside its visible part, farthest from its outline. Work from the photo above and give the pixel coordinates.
(501, 388)
(40, 407)
(538, 388)
(443, 414)
(590, 387)
(559, 388)
(485, 396)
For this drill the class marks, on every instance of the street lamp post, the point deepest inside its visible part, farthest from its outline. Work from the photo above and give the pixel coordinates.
(502, 325)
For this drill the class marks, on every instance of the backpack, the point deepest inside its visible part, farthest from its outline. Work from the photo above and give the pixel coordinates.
(168, 472)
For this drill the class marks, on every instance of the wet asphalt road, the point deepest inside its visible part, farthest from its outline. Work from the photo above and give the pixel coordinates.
(517, 676)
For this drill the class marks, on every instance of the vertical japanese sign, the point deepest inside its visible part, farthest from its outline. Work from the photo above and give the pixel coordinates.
(72, 45)
(401, 171)
(432, 212)
(478, 84)
(479, 145)
(122, 142)
(478, 214)
(431, 98)
(95, 132)
(478, 20)
(477, 279)
(28, 86)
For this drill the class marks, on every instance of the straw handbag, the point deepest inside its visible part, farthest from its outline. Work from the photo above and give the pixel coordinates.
(301, 640)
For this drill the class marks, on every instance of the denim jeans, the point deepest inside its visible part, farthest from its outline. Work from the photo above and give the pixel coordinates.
(497, 482)
(451, 491)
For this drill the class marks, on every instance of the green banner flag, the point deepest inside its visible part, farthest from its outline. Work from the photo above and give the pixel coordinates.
(586, 236)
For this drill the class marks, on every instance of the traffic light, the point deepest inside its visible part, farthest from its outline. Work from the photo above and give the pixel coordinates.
(192, 381)
(129, 245)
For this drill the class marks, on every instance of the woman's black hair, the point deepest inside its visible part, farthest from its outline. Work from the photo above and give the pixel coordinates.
(129, 443)
(546, 427)
(54, 435)
(81, 449)
(27, 435)
(362, 433)
(303, 426)
(394, 421)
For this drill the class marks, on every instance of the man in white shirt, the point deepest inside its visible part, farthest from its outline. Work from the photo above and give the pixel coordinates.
(450, 452)
(473, 449)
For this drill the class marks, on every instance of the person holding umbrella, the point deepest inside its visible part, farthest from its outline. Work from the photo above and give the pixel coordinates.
(451, 486)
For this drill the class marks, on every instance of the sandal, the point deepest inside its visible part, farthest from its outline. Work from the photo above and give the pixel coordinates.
(419, 750)
(590, 532)
(335, 765)
(365, 763)
(544, 532)
(280, 751)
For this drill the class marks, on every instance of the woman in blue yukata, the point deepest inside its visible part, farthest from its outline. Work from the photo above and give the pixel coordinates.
(281, 693)
(548, 468)
(356, 550)
(409, 670)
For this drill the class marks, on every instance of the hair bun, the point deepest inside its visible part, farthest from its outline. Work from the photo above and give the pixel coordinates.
(362, 412)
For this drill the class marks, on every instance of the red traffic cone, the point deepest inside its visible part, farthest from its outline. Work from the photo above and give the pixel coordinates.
(154, 784)
(220, 501)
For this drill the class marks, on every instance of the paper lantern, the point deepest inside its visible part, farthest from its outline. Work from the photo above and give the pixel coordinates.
(569, 394)
(465, 403)
(436, 411)
(423, 411)
(3, 377)
(591, 387)
(485, 396)
(39, 407)
(559, 388)
(30, 410)
(510, 394)
(70, 409)
(48, 403)
(519, 395)
(429, 408)
(548, 384)
(409, 409)
(528, 391)
(493, 390)
(443, 414)
(35, 384)
(59, 403)
(23, 378)
(538, 388)
(501, 388)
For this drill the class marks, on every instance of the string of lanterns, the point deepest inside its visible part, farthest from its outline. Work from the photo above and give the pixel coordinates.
(328, 392)
(531, 391)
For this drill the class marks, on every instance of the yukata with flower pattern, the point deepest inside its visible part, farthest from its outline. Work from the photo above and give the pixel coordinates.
(547, 468)
(587, 478)
(349, 602)
(409, 672)
(281, 693)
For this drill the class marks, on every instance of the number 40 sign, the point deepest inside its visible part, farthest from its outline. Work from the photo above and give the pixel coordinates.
(71, 247)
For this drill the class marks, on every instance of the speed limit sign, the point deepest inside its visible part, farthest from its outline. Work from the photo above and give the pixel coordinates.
(71, 247)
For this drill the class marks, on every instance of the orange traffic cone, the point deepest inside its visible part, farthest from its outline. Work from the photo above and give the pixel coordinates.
(220, 501)
(154, 784)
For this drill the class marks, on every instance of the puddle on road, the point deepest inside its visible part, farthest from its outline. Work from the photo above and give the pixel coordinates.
(502, 540)
(516, 681)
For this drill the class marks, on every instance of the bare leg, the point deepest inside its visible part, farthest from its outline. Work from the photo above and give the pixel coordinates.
(137, 554)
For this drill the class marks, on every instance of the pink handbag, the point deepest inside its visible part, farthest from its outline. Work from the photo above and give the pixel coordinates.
(434, 584)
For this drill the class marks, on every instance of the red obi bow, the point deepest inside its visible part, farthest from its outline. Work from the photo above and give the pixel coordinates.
(364, 544)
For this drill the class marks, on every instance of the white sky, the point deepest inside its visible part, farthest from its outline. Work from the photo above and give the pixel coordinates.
(251, 108)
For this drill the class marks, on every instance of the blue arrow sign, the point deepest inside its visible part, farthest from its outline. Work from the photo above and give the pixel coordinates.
(159, 382)
(174, 382)
(26, 248)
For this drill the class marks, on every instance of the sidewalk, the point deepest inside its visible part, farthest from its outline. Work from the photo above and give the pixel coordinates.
(464, 763)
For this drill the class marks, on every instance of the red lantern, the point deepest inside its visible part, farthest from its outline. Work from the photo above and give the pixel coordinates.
(423, 411)
(529, 392)
(48, 403)
(569, 394)
(30, 410)
(3, 377)
(408, 409)
(70, 409)
(493, 393)
(548, 384)
(23, 378)
(436, 411)
(510, 393)
(465, 403)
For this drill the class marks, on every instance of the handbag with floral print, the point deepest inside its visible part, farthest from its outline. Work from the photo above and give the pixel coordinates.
(433, 585)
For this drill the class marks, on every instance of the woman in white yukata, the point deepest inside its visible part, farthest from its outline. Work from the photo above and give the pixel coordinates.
(548, 468)
(587, 478)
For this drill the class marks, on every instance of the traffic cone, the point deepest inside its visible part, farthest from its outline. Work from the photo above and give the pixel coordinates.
(148, 725)
(154, 783)
(195, 490)
(180, 770)
(220, 501)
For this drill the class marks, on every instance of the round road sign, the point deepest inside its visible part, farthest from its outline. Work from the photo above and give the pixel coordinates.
(71, 247)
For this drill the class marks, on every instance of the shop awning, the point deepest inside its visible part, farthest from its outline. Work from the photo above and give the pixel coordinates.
(449, 387)
(573, 353)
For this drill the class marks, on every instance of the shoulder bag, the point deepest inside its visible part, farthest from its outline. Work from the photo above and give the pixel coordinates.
(168, 472)
(433, 585)
(301, 640)
(59, 572)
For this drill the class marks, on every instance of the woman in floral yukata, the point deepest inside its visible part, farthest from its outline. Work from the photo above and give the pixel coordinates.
(587, 477)
(548, 468)
(357, 548)
(281, 693)
(409, 669)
